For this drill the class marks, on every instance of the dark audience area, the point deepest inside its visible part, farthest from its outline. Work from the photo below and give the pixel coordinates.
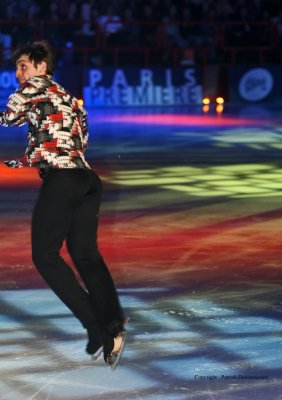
(155, 32)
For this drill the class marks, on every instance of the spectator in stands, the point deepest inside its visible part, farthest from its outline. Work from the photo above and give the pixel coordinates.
(242, 30)
(196, 9)
(277, 21)
(63, 7)
(189, 29)
(32, 11)
(72, 12)
(149, 29)
(148, 14)
(225, 11)
(172, 29)
(110, 24)
(11, 11)
(6, 44)
(158, 10)
(86, 11)
(54, 11)
(129, 33)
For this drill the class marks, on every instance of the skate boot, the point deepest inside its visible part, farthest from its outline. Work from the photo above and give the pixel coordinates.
(95, 342)
(112, 359)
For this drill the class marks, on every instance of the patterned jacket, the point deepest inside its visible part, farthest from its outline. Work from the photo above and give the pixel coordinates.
(57, 125)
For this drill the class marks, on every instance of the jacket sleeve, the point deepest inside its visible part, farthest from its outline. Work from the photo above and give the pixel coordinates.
(18, 105)
(85, 131)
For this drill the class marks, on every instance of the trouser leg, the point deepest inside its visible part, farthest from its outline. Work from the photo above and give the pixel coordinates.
(51, 220)
(82, 246)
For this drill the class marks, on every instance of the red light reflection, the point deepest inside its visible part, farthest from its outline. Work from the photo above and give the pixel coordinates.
(18, 177)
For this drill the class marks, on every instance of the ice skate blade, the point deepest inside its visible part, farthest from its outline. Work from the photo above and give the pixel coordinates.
(114, 357)
(98, 354)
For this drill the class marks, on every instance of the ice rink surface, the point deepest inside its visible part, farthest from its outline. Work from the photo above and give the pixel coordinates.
(190, 227)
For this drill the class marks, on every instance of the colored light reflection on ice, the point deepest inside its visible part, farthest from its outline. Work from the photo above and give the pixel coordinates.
(182, 120)
(235, 181)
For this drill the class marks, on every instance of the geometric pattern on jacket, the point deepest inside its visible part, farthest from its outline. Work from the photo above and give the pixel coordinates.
(57, 124)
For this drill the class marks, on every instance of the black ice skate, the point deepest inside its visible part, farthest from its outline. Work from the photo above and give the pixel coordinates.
(95, 343)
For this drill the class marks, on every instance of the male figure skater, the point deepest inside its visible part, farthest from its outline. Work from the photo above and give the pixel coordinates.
(69, 199)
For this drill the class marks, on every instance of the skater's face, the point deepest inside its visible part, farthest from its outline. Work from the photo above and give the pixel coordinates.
(26, 69)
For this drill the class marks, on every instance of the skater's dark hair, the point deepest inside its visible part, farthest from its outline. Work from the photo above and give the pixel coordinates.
(37, 52)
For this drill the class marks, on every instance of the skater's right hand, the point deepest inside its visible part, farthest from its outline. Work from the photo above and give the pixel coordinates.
(13, 163)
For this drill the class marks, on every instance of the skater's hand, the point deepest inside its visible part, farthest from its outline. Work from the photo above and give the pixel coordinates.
(13, 163)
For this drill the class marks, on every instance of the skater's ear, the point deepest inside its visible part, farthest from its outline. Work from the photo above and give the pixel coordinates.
(42, 68)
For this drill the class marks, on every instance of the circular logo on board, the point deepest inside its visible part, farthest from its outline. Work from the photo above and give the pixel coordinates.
(256, 84)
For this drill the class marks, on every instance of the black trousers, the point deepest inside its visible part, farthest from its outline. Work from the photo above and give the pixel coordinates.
(68, 208)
